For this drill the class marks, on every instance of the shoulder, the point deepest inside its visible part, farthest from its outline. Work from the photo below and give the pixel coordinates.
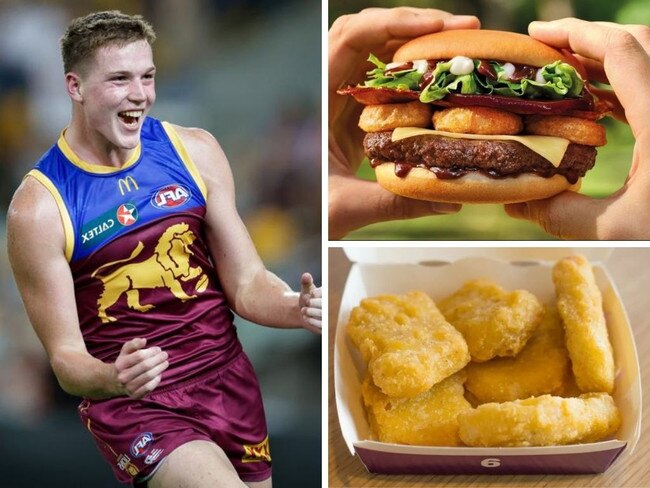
(33, 209)
(199, 142)
(31, 201)
(206, 153)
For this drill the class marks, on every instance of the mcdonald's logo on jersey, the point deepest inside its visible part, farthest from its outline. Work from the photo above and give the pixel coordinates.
(124, 184)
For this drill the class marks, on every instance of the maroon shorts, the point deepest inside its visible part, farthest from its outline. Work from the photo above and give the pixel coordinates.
(224, 407)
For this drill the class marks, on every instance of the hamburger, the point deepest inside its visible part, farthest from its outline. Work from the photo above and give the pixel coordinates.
(478, 116)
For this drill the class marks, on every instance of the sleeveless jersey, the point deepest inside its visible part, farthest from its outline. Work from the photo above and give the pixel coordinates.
(137, 250)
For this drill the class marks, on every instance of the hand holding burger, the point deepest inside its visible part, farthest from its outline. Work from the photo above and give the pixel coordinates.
(478, 116)
(353, 202)
(619, 56)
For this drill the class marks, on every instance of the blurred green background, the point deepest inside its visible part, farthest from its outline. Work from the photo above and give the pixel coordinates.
(490, 222)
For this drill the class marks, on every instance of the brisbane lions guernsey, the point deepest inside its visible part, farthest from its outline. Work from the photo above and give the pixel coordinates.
(136, 245)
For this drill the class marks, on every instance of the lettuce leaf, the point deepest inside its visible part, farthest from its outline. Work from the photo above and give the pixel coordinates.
(560, 81)
(408, 79)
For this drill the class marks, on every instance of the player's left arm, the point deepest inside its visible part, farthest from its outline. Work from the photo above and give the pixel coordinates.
(252, 291)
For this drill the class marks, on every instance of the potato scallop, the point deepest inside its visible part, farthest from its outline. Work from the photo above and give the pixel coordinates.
(376, 118)
(576, 130)
(477, 120)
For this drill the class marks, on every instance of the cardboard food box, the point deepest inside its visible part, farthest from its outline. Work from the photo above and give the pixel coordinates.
(439, 272)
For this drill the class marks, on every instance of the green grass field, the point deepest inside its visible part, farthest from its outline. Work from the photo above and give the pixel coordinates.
(490, 222)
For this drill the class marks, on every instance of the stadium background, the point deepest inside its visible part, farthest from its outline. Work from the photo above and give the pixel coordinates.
(249, 72)
(490, 222)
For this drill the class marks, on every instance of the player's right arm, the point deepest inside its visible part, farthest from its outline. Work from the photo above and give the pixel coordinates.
(36, 244)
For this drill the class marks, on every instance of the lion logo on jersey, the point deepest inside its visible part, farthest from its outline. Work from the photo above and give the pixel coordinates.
(166, 268)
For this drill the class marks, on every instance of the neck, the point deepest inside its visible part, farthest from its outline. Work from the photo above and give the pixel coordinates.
(90, 146)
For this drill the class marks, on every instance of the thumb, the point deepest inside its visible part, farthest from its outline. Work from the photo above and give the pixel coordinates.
(134, 345)
(568, 215)
(307, 284)
(357, 203)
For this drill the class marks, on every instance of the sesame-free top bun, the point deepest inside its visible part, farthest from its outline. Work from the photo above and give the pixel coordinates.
(482, 44)
(422, 184)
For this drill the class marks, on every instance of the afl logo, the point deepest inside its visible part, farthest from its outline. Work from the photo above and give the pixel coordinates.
(141, 444)
(127, 214)
(170, 196)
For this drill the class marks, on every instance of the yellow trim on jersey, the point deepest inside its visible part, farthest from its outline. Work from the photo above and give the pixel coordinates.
(185, 157)
(94, 168)
(68, 229)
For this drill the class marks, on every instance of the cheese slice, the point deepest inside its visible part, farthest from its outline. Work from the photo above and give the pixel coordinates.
(550, 148)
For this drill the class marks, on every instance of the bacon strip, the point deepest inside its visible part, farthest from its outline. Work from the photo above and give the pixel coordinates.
(368, 95)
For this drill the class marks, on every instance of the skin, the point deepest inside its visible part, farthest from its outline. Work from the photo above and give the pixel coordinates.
(118, 79)
(351, 38)
(619, 56)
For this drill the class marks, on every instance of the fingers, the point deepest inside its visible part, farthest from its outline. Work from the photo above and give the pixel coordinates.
(640, 32)
(313, 315)
(462, 22)
(314, 308)
(139, 370)
(381, 31)
(133, 345)
(348, 212)
(311, 304)
(147, 381)
(309, 294)
(568, 215)
(623, 53)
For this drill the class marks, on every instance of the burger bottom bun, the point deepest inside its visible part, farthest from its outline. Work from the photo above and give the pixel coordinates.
(422, 184)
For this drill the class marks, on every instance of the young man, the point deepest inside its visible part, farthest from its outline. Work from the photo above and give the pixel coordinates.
(145, 255)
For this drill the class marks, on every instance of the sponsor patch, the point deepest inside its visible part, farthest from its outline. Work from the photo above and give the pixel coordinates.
(153, 456)
(257, 452)
(141, 444)
(108, 224)
(123, 461)
(170, 196)
(127, 214)
(132, 469)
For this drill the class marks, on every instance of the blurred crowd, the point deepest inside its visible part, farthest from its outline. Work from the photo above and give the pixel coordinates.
(246, 70)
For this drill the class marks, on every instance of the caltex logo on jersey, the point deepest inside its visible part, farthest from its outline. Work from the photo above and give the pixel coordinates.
(127, 214)
(173, 195)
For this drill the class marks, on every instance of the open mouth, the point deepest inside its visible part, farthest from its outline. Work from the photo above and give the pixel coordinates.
(131, 117)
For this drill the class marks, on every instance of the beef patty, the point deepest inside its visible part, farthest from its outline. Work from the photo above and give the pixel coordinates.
(449, 157)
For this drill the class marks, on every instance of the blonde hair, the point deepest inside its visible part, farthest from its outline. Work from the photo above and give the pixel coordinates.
(86, 34)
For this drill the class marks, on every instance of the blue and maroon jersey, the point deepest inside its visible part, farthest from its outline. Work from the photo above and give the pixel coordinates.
(137, 249)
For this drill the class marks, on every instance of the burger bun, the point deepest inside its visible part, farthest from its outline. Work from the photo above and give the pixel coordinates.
(423, 184)
(484, 44)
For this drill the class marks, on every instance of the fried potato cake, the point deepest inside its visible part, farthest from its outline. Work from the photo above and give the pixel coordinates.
(375, 118)
(579, 131)
(428, 419)
(540, 421)
(493, 321)
(580, 304)
(406, 342)
(541, 367)
(477, 120)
